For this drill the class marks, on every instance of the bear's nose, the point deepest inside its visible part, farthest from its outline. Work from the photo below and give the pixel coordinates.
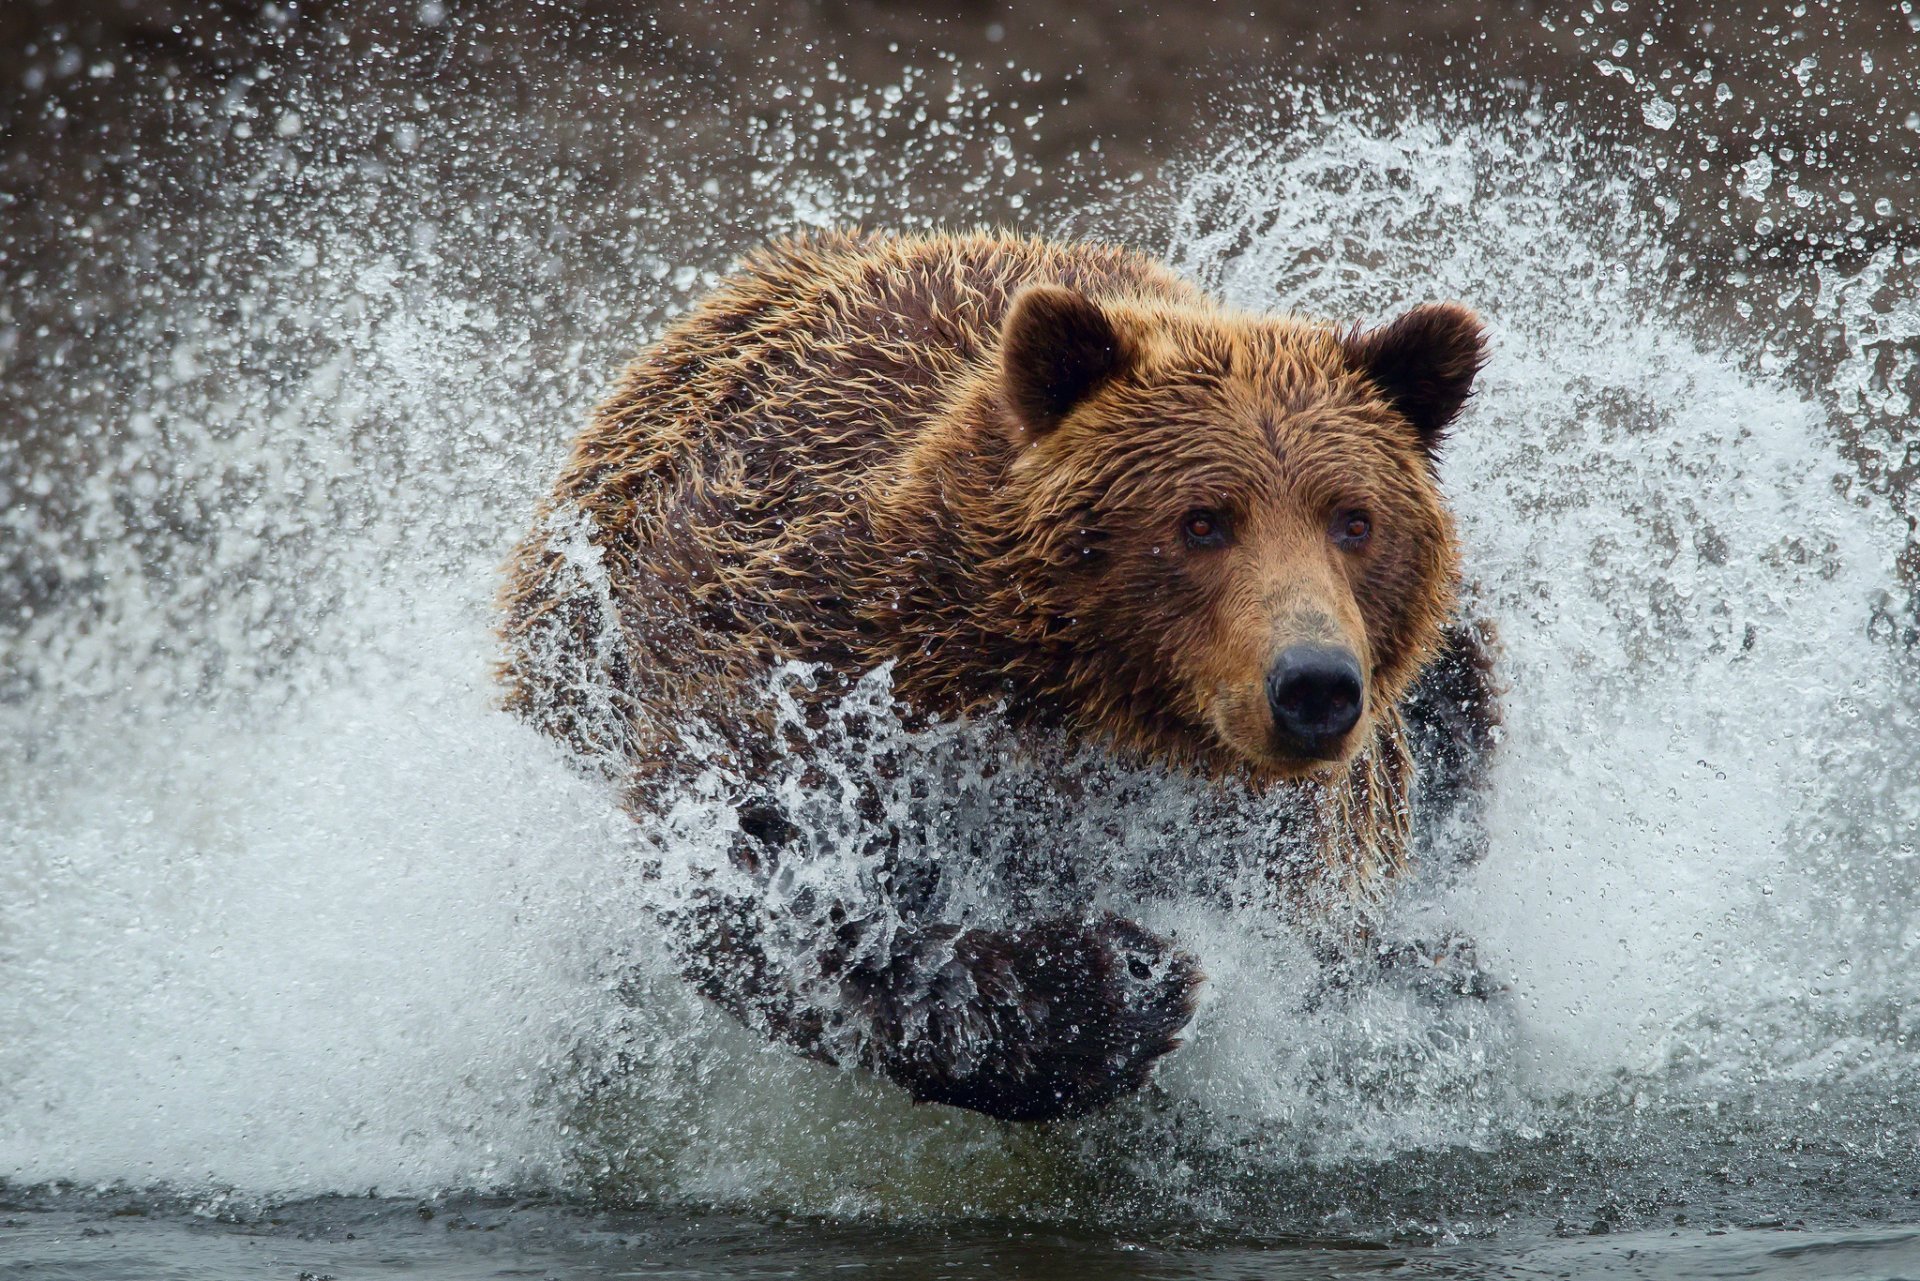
(1314, 691)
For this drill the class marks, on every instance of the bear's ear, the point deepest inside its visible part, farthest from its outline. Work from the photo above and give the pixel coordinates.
(1056, 348)
(1423, 363)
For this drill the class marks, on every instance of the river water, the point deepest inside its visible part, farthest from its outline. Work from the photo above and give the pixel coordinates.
(314, 958)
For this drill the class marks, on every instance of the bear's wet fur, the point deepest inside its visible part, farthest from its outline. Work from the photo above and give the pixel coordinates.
(1048, 482)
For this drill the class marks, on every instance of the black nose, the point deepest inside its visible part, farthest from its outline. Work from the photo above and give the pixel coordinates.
(1314, 691)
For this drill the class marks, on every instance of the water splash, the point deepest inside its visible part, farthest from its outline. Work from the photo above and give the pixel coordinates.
(297, 910)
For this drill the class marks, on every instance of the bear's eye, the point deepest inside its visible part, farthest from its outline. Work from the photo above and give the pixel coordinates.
(1204, 528)
(1351, 529)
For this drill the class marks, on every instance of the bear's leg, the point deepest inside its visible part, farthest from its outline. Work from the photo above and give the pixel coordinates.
(1452, 716)
(1052, 1019)
(1453, 721)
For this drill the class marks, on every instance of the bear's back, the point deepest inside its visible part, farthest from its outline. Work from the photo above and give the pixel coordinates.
(723, 481)
(822, 356)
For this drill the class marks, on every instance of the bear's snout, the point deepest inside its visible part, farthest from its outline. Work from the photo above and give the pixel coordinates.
(1315, 693)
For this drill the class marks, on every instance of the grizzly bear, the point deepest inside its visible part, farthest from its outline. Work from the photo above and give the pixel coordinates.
(1049, 486)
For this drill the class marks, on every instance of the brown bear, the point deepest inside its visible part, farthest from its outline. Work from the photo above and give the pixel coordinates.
(1052, 485)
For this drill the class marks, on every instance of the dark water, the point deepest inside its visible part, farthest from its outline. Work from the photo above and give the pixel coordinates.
(503, 1237)
(311, 956)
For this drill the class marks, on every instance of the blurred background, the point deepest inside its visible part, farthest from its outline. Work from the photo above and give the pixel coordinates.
(1832, 91)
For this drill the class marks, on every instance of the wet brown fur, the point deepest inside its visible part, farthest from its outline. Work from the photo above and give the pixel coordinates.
(843, 455)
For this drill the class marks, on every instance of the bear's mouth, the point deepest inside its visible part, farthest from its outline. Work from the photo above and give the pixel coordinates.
(1314, 752)
(1309, 760)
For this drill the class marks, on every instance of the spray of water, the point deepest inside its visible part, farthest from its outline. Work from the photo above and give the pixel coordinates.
(293, 908)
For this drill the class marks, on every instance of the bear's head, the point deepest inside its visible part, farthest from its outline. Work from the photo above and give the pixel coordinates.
(1231, 522)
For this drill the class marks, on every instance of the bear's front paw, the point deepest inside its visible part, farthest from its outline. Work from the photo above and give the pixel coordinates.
(1148, 993)
(1062, 1018)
